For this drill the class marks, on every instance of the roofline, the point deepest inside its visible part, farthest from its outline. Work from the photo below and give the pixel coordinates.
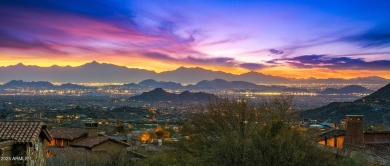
(70, 139)
(73, 145)
(47, 135)
(73, 138)
(376, 132)
(6, 143)
(109, 139)
(120, 142)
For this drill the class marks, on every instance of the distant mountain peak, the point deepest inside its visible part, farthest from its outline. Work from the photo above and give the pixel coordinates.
(93, 63)
(219, 80)
(158, 90)
(181, 68)
(158, 94)
(252, 72)
(19, 65)
(148, 81)
(191, 68)
(21, 83)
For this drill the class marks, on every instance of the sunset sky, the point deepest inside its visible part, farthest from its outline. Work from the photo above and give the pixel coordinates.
(296, 39)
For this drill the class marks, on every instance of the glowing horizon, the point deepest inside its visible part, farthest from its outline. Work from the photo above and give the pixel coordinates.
(270, 71)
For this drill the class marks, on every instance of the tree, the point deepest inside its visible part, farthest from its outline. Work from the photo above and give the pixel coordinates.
(119, 127)
(238, 132)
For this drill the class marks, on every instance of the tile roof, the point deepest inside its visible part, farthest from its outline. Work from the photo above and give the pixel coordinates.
(74, 154)
(379, 149)
(23, 131)
(332, 133)
(118, 137)
(67, 151)
(68, 133)
(90, 142)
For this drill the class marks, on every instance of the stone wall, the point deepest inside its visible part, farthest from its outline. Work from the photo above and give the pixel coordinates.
(6, 153)
(37, 157)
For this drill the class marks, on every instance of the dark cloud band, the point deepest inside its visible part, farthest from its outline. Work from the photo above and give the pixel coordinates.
(324, 61)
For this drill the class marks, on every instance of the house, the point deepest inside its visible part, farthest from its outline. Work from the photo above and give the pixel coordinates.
(23, 143)
(354, 135)
(72, 139)
(63, 137)
(102, 143)
(375, 144)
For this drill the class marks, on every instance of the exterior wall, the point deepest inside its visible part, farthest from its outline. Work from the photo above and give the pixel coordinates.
(51, 143)
(110, 147)
(92, 128)
(92, 132)
(354, 130)
(37, 157)
(334, 142)
(60, 142)
(24, 154)
(377, 137)
(6, 148)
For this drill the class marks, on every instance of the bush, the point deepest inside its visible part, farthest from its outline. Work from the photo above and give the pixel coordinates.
(238, 132)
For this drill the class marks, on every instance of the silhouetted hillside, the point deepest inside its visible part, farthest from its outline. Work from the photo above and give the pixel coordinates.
(382, 94)
(33, 84)
(73, 86)
(159, 94)
(347, 90)
(375, 108)
(161, 84)
(223, 84)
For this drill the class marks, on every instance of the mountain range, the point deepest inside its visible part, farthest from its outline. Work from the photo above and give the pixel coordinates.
(109, 73)
(220, 84)
(41, 85)
(375, 108)
(216, 84)
(159, 94)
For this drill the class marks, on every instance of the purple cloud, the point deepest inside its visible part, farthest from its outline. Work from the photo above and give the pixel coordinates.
(323, 61)
(276, 52)
(223, 61)
(13, 42)
(252, 66)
